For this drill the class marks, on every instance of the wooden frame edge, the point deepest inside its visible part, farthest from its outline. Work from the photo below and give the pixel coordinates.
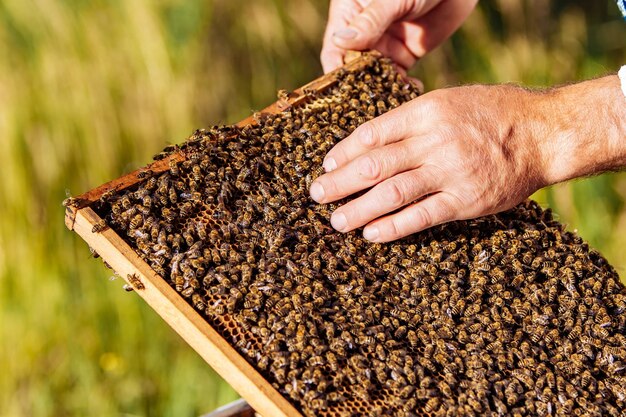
(187, 322)
(238, 408)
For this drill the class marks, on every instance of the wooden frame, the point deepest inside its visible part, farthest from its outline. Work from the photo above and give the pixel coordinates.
(187, 322)
(238, 408)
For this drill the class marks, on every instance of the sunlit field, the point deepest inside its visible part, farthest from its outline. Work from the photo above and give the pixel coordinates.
(90, 90)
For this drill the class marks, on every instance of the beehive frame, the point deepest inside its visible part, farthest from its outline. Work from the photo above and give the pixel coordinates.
(170, 305)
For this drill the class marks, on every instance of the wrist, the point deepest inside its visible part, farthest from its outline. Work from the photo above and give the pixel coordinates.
(533, 154)
(580, 129)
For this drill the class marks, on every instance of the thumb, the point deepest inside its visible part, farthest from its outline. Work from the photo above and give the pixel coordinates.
(366, 28)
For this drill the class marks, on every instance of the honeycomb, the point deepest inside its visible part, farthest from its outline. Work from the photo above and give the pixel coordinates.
(509, 314)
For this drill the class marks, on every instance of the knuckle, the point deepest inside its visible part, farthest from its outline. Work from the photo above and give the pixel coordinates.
(447, 207)
(340, 154)
(395, 229)
(356, 214)
(330, 187)
(368, 135)
(430, 174)
(432, 104)
(370, 20)
(422, 217)
(351, 215)
(394, 193)
(370, 168)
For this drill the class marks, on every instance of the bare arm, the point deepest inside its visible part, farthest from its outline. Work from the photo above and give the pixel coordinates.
(588, 129)
(471, 151)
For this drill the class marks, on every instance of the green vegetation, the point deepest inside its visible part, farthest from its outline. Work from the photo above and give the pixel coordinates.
(91, 89)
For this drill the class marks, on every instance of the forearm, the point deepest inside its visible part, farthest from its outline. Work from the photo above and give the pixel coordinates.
(581, 129)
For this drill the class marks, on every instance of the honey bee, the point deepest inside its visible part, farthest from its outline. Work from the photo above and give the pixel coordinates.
(196, 173)
(475, 295)
(108, 194)
(318, 404)
(136, 221)
(150, 184)
(432, 404)
(198, 302)
(144, 173)
(99, 227)
(168, 214)
(600, 332)
(72, 202)
(135, 282)
(283, 95)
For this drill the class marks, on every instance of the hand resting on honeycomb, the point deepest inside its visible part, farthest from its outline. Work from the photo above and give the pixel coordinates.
(457, 153)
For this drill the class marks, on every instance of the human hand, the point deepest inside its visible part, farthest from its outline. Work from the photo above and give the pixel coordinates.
(451, 154)
(403, 30)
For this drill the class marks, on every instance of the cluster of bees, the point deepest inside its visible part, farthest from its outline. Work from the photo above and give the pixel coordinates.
(507, 315)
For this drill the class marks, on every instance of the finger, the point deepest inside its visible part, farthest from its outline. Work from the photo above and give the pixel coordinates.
(370, 24)
(395, 49)
(425, 33)
(438, 208)
(393, 126)
(339, 15)
(364, 172)
(389, 195)
(332, 58)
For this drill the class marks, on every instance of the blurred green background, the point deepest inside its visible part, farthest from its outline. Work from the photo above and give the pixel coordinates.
(90, 90)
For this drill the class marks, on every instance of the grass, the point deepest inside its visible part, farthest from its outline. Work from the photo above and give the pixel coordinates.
(91, 89)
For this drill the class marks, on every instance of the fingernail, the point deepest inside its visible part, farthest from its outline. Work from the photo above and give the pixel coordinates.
(371, 233)
(329, 164)
(345, 34)
(317, 192)
(339, 221)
